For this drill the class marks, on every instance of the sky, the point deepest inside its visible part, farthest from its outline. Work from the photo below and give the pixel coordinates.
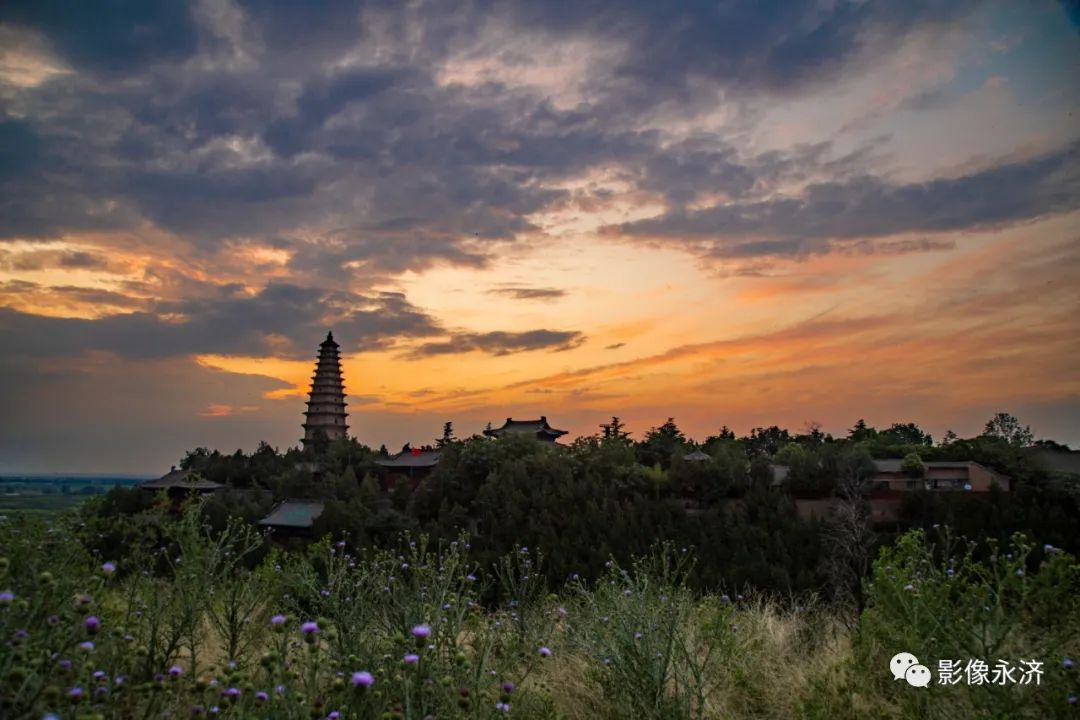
(730, 213)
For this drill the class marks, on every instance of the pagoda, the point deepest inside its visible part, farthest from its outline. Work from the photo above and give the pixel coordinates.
(326, 402)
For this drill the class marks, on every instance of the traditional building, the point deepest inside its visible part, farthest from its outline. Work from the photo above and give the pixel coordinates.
(326, 402)
(180, 483)
(409, 466)
(538, 428)
(293, 517)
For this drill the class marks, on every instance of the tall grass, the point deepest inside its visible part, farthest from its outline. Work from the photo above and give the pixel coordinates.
(197, 627)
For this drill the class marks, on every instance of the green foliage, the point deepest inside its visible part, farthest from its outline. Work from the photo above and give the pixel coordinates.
(942, 603)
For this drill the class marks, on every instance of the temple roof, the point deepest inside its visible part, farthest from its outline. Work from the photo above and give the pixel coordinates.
(294, 514)
(329, 339)
(179, 479)
(696, 456)
(415, 458)
(538, 427)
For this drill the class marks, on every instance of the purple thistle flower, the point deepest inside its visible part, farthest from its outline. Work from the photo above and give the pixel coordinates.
(75, 693)
(92, 624)
(412, 659)
(277, 620)
(1072, 699)
(333, 715)
(508, 687)
(725, 599)
(176, 671)
(1067, 663)
(310, 627)
(197, 710)
(421, 631)
(6, 596)
(53, 619)
(64, 664)
(108, 568)
(231, 692)
(362, 679)
(280, 689)
(119, 680)
(262, 696)
(502, 707)
(214, 710)
(545, 652)
(470, 577)
(87, 646)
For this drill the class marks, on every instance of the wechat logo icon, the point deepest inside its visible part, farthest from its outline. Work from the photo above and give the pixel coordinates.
(905, 666)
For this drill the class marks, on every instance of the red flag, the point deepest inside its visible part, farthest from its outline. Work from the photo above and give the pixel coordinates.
(415, 451)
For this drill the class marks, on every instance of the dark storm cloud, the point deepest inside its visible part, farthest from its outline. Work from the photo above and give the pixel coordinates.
(281, 320)
(502, 343)
(518, 292)
(870, 207)
(418, 173)
(109, 38)
(230, 324)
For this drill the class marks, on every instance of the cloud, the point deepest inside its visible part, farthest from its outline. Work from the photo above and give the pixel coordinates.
(502, 343)
(230, 323)
(519, 292)
(867, 207)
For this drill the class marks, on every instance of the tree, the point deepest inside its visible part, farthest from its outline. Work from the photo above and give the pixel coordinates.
(766, 441)
(848, 536)
(447, 435)
(614, 430)
(861, 432)
(660, 444)
(905, 434)
(912, 465)
(1007, 427)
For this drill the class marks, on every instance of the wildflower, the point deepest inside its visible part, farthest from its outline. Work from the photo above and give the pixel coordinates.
(309, 628)
(64, 664)
(231, 693)
(92, 624)
(277, 621)
(738, 598)
(262, 696)
(725, 599)
(1019, 572)
(87, 646)
(50, 716)
(75, 693)
(545, 652)
(637, 636)
(6, 597)
(53, 619)
(446, 606)
(909, 586)
(1072, 699)
(627, 593)
(335, 715)
(119, 680)
(280, 689)
(470, 577)
(108, 568)
(214, 710)
(421, 631)
(508, 687)
(324, 593)
(99, 674)
(404, 566)
(562, 612)
(412, 659)
(362, 679)
(1067, 663)
(197, 710)
(176, 671)
(502, 707)
(341, 543)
